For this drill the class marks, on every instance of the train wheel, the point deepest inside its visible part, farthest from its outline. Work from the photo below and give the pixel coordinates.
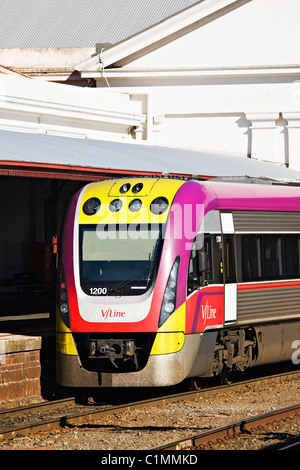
(82, 398)
(196, 383)
(226, 376)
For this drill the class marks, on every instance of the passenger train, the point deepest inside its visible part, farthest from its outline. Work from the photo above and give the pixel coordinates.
(166, 279)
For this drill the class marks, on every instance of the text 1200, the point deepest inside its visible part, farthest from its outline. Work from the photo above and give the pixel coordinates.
(98, 290)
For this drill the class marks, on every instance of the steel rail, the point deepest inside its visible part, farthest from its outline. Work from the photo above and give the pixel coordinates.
(244, 426)
(65, 419)
(23, 410)
(293, 446)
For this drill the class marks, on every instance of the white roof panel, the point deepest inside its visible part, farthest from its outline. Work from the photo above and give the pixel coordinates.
(43, 148)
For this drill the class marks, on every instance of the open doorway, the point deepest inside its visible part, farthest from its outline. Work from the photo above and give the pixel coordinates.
(31, 214)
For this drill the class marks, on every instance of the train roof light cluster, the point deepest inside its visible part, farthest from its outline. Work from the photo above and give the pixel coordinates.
(158, 206)
(135, 189)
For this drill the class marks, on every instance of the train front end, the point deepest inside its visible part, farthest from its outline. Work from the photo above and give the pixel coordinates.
(122, 287)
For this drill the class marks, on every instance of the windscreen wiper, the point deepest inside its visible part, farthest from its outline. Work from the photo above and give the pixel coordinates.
(137, 276)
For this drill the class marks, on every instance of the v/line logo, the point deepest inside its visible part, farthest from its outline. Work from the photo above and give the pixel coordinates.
(110, 313)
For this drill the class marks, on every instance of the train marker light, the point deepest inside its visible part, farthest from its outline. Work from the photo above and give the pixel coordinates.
(64, 308)
(91, 206)
(63, 298)
(137, 188)
(159, 205)
(115, 205)
(135, 205)
(125, 188)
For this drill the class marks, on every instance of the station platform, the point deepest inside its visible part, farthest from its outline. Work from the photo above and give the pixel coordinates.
(27, 358)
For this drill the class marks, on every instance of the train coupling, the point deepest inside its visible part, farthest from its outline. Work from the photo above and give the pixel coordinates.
(114, 350)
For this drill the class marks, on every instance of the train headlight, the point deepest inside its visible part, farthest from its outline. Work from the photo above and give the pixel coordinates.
(63, 298)
(115, 205)
(125, 188)
(64, 308)
(169, 307)
(91, 206)
(135, 205)
(159, 205)
(170, 295)
(169, 300)
(137, 188)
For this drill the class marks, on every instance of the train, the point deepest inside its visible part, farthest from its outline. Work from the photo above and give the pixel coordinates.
(165, 280)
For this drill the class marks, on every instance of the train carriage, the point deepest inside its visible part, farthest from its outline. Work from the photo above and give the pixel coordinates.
(166, 279)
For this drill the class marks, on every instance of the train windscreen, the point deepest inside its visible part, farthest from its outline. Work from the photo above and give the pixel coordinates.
(118, 260)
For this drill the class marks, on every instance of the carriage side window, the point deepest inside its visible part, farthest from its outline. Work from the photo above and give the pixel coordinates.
(193, 281)
(229, 259)
(291, 246)
(200, 267)
(270, 257)
(273, 257)
(251, 258)
(208, 251)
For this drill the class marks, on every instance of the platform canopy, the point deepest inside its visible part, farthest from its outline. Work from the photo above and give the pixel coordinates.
(48, 156)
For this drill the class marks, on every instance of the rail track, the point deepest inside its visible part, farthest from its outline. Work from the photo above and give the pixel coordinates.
(47, 416)
(245, 426)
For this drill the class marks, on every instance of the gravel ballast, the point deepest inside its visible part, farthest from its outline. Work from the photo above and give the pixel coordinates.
(156, 425)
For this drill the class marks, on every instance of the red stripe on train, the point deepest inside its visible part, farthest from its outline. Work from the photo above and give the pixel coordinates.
(268, 285)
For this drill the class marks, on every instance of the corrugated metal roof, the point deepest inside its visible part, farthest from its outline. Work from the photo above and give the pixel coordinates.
(84, 153)
(80, 23)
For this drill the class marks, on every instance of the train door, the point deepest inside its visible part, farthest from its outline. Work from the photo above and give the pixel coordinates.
(206, 262)
(230, 285)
